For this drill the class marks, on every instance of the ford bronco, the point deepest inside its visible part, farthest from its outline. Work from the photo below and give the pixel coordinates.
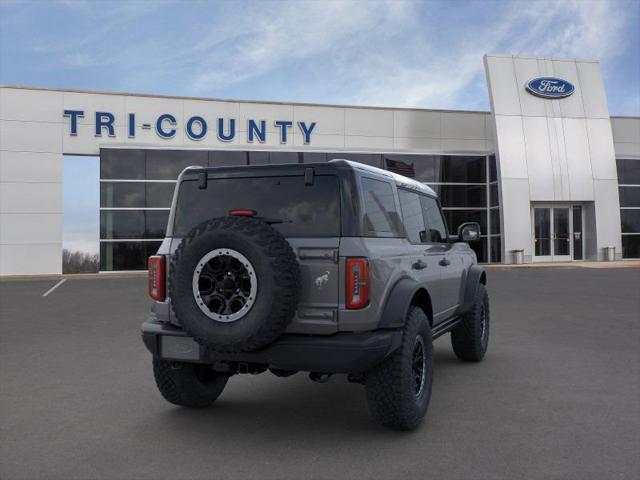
(326, 268)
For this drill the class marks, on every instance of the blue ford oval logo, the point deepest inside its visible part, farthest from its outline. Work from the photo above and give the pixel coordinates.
(550, 87)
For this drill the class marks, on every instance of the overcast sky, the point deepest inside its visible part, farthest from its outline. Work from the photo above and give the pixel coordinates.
(391, 53)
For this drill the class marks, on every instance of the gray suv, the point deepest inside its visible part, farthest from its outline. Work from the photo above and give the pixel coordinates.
(326, 268)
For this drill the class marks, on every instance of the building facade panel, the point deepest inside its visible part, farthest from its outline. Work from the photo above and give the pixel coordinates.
(29, 105)
(503, 85)
(538, 159)
(26, 136)
(30, 228)
(414, 124)
(573, 105)
(470, 126)
(32, 197)
(369, 122)
(578, 160)
(511, 146)
(607, 212)
(574, 179)
(31, 259)
(591, 81)
(30, 166)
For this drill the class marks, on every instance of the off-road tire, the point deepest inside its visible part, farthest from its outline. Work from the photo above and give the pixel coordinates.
(188, 384)
(390, 386)
(278, 280)
(469, 339)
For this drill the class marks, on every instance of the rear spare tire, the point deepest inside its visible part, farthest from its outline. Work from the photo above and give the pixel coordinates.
(234, 284)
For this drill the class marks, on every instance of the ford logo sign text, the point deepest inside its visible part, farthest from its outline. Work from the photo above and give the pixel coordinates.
(550, 87)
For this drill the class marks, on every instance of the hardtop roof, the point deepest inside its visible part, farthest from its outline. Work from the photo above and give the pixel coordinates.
(399, 180)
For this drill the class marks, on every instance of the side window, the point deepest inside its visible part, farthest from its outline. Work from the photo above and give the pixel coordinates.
(412, 216)
(380, 215)
(436, 231)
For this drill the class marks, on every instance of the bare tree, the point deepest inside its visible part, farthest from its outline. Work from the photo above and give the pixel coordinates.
(79, 262)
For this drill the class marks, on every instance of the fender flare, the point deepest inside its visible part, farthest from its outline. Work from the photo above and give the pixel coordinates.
(398, 302)
(475, 276)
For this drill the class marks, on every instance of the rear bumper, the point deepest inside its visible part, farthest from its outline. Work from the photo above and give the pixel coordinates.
(338, 353)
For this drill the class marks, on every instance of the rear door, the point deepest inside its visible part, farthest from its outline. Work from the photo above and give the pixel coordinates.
(424, 255)
(450, 264)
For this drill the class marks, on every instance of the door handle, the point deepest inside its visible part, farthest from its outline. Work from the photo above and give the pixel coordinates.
(444, 262)
(419, 265)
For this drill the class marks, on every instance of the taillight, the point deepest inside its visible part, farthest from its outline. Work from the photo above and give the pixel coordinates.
(157, 277)
(243, 212)
(357, 283)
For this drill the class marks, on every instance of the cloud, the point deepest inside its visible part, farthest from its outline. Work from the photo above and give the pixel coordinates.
(392, 53)
(276, 38)
(561, 29)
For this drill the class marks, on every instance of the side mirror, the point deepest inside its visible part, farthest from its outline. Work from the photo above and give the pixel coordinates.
(469, 232)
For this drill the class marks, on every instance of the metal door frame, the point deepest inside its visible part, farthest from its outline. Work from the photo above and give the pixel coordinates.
(552, 257)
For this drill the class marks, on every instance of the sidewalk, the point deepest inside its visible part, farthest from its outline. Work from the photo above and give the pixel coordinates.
(75, 276)
(577, 264)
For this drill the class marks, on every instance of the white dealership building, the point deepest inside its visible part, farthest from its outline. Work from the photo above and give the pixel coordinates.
(548, 173)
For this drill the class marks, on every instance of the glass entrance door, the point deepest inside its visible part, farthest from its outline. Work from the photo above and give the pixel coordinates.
(557, 233)
(542, 234)
(561, 234)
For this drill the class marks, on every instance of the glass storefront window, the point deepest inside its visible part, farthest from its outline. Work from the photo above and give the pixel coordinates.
(462, 169)
(630, 221)
(284, 157)
(629, 196)
(167, 164)
(258, 158)
(133, 224)
(494, 199)
(225, 158)
(493, 169)
(495, 221)
(121, 224)
(122, 194)
(470, 196)
(122, 164)
(420, 167)
(312, 157)
(631, 246)
(126, 255)
(628, 171)
(496, 246)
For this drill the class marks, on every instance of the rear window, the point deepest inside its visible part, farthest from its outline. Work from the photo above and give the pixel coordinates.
(306, 210)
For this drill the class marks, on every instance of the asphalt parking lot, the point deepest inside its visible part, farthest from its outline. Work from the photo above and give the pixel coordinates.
(558, 395)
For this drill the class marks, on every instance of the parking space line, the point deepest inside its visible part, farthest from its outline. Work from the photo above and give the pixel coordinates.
(54, 287)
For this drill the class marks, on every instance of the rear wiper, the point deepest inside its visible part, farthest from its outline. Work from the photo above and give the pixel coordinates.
(272, 221)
